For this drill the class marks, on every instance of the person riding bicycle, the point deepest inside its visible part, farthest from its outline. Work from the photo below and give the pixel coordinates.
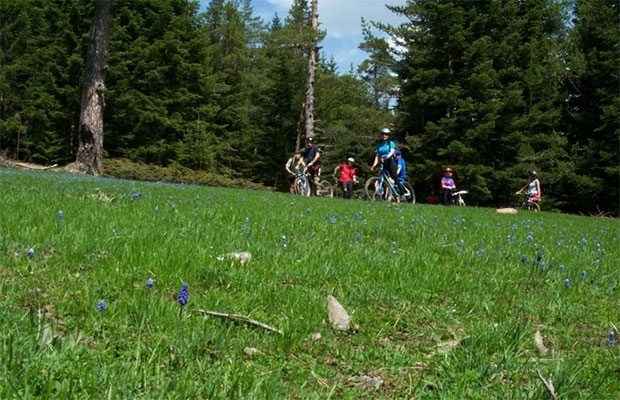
(401, 166)
(312, 158)
(295, 165)
(533, 188)
(385, 154)
(448, 186)
(347, 175)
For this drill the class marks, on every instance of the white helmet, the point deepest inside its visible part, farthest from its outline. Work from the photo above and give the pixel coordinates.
(350, 159)
(385, 131)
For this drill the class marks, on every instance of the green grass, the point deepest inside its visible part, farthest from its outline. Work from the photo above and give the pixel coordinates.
(446, 308)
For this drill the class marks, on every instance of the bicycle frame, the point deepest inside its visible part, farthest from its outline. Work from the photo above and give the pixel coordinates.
(302, 184)
(457, 197)
(526, 204)
(384, 177)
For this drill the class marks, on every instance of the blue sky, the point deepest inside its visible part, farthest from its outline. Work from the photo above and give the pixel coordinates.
(341, 19)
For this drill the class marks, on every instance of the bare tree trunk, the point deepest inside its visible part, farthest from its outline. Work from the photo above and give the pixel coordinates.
(309, 105)
(89, 157)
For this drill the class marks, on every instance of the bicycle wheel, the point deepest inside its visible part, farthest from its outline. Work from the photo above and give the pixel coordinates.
(325, 189)
(377, 190)
(302, 187)
(409, 194)
(532, 206)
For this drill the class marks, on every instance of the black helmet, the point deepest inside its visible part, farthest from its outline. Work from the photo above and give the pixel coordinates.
(534, 174)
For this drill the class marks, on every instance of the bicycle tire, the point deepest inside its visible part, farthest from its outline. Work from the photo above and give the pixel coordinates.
(370, 188)
(411, 197)
(532, 206)
(325, 189)
(302, 188)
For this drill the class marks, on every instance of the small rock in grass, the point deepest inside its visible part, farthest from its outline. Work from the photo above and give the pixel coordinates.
(338, 316)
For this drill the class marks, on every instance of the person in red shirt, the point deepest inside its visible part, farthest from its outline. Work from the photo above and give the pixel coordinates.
(346, 174)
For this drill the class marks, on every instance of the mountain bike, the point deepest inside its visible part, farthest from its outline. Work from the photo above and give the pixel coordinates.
(524, 203)
(457, 198)
(301, 185)
(383, 188)
(325, 189)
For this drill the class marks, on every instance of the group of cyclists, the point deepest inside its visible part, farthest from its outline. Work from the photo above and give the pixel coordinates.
(390, 158)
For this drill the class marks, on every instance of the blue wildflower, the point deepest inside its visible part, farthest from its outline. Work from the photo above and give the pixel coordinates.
(358, 237)
(246, 230)
(583, 275)
(149, 283)
(101, 305)
(30, 253)
(183, 296)
(539, 255)
(612, 338)
(566, 282)
(60, 215)
(523, 258)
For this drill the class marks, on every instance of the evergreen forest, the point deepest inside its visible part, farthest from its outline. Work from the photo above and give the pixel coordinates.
(493, 89)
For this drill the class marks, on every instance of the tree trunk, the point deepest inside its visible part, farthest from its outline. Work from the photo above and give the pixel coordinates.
(309, 105)
(90, 131)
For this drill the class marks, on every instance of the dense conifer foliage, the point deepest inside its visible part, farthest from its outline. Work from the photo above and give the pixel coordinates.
(491, 88)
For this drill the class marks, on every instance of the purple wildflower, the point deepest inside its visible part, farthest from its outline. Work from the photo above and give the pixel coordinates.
(30, 253)
(183, 296)
(612, 338)
(149, 283)
(101, 305)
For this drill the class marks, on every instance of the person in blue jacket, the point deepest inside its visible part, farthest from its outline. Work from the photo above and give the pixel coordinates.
(385, 152)
(401, 166)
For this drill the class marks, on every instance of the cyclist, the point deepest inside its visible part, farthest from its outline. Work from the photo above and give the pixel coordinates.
(401, 167)
(384, 154)
(312, 158)
(347, 176)
(293, 166)
(533, 188)
(447, 186)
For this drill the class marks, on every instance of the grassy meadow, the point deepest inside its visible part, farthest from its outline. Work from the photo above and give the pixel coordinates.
(446, 302)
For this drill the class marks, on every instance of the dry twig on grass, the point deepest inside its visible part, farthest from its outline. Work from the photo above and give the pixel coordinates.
(548, 384)
(242, 318)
